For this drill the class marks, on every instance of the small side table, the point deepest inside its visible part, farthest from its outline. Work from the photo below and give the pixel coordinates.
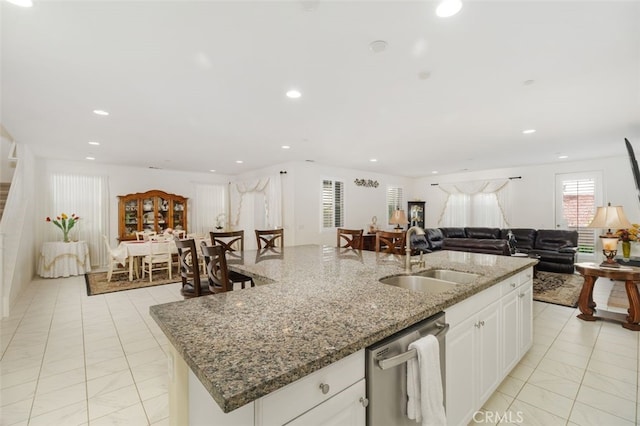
(630, 275)
(59, 259)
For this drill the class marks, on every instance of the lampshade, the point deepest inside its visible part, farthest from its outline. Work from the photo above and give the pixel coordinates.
(398, 218)
(610, 217)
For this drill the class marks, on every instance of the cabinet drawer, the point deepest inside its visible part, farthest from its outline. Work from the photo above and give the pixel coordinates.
(511, 283)
(294, 399)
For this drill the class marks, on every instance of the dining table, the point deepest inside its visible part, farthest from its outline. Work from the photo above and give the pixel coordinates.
(133, 250)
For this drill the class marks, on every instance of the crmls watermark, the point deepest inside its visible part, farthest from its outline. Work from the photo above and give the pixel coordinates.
(494, 417)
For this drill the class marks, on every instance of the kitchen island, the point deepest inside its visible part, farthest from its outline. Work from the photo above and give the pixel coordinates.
(321, 304)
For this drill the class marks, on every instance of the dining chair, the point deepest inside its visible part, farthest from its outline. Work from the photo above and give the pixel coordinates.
(351, 238)
(159, 253)
(114, 260)
(233, 244)
(216, 267)
(270, 238)
(190, 274)
(390, 242)
(180, 233)
(159, 237)
(144, 235)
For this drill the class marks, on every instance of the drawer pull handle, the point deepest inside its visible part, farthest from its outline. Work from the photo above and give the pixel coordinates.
(513, 285)
(364, 401)
(324, 388)
(521, 295)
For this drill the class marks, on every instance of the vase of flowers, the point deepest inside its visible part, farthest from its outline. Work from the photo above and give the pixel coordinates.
(65, 223)
(627, 236)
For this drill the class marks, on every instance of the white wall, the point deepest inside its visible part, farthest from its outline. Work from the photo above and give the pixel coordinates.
(532, 198)
(6, 167)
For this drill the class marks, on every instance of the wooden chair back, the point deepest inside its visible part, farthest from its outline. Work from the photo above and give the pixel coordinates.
(144, 235)
(216, 266)
(351, 238)
(190, 269)
(231, 241)
(390, 242)
(271, 238)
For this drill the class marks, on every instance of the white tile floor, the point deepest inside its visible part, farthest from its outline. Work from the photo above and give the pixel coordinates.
(69, 359)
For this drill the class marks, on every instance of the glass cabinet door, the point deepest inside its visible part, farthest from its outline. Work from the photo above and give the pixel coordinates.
(178, 216)
(148, 221)
(163, 214)
(131, 218)
(416, 213)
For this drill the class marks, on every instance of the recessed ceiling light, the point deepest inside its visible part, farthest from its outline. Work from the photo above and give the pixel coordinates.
(285, 147)
(378, 46)
(374, 160)
(239, 161)
(100, 112)
(562, 157)
(293, 94)
(435, 172)
(212, 171)
(448, 8)
(528, 131)
(90, 158)
(21, 3)
(94, 143)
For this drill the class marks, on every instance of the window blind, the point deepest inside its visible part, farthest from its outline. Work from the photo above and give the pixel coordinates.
(332, 204)
(394, 200)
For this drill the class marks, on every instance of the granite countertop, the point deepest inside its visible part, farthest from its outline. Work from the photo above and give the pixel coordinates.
(320, 304)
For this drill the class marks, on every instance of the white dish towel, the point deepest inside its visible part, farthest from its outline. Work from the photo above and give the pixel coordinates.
(424, 384)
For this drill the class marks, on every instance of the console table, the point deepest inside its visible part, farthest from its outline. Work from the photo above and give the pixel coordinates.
(630, 275)
(59, 259)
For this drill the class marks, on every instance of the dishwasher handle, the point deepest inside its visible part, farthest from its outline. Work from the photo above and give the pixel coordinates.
(396, 360)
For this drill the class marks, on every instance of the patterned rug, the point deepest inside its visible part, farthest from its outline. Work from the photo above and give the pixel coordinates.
(97, 282)
(559, 289)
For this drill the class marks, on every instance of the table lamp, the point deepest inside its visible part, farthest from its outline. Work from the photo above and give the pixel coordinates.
(606, 218)
(398, 218)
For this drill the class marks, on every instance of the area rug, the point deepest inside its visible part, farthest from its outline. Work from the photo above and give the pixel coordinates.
(97, 282)
(559, 289)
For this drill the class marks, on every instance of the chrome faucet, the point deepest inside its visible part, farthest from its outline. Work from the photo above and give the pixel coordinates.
(408, 262)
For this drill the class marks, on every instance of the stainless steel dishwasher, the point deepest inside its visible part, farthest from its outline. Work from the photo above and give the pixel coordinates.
(386, 371)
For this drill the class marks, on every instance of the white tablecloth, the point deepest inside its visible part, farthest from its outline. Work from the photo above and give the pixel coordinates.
(133, 249)
(59, 259)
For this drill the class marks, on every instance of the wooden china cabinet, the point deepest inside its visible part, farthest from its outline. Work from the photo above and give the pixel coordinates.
(150, 211)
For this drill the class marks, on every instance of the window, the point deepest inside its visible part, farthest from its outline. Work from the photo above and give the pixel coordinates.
(394, 200)
(332, 204)
(578, 209)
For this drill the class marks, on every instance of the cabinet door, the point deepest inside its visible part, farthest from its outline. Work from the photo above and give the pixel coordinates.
(162, 214)
(131, 219)
(347, 408)
(510, 340)
(525, 316)
(179, 219)
(489, 351)
(148, 214)
(461, 366)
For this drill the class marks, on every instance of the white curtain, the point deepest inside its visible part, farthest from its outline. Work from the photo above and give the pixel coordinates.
(480, 203)
(88, 198)
(209, 208)
(258, 205)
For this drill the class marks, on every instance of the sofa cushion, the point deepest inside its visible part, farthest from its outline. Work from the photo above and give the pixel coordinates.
(525, 237)
(434, 238)
(476, 245)
(555, 239)
(554, 256)
(489, 233)
(419, 244)
(453, 232)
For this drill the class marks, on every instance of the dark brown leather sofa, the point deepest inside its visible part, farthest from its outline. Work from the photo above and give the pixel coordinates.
(555, 249)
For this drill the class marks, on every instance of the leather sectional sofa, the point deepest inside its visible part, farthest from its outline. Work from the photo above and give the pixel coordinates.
(556, 249)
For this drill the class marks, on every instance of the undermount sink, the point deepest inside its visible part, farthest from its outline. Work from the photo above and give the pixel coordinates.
(449, 275)
(433, 281)
(419, 283)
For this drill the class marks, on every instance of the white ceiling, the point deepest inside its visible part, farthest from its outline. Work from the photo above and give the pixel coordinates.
(198, 85)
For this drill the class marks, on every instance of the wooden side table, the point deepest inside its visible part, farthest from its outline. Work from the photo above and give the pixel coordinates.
(630, 275)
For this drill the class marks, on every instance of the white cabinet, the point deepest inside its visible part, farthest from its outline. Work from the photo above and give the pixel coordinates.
(348, 408)
(473, 367)
(489, 334)
(313, 391)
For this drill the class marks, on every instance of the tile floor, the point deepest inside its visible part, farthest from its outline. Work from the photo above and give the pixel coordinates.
(69, 359)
